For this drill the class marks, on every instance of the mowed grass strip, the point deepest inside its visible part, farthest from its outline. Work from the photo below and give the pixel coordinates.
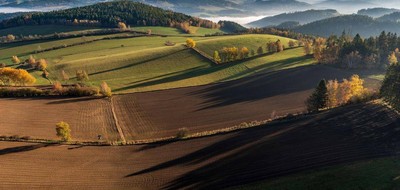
(146, 64)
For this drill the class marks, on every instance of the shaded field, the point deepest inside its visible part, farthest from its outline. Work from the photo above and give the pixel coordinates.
(342, 135)
(174, 31)
(204, 108)
(37, 118)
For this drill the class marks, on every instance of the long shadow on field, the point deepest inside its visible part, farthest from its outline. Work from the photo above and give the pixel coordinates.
(201, 71)
(267, 85)
(74, 100)
(23, 148)
(342, 135)
(137, 63)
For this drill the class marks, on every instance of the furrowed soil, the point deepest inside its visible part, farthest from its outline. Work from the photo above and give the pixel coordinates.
(210, 107)
(339, 136)
(37, 118)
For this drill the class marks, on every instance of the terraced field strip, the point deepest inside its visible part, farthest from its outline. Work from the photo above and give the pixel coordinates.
(120, 132)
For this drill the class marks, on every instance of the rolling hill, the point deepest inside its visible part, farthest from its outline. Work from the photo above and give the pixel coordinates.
(302, 17)
(376, 12)
(108, 14)
(364, 25)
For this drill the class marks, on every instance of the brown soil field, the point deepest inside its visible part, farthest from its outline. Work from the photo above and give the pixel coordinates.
(203, 108)
(37, 117)
(343, 135)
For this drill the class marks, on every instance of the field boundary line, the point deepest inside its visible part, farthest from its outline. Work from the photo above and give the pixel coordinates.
(119, 129)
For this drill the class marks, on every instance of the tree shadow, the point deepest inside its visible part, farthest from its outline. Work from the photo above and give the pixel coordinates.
(310, 142)
(26, 148)
(267, 85)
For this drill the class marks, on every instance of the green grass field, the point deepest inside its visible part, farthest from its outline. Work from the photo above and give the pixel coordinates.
(42, 30)
(146, 64)
(174, 31)
(374, 174)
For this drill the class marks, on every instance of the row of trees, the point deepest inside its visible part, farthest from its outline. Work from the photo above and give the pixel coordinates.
(228, 54)
(332, 93)
(347, 52)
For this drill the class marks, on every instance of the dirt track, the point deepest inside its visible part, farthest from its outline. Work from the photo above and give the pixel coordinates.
(343, 135)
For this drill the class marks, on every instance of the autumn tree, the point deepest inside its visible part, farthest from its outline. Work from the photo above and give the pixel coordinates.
(332, 86)
(216, 57)
(352, 60)
(319, 98)
(122, 26)
(58, 88)
(244, 52)
(392, 59)
(190, 43)
(63, 131)
(307, 48)
(81, 75)
(105, 90)
(42, 64)
(10, 37)
(15, 59)
(32, 61)
(318, 47)
(252, 52)
(11, 76)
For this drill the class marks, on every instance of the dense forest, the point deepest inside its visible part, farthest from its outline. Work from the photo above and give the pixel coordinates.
(229, 26)
(353, 24)
(347, 52)
(109, 14)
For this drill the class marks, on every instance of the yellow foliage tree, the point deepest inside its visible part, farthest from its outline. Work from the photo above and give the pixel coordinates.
(392, 59)
(11, 76)
(32, 61)
(42, 64)
(190, 43)
(63, 131)
(244, 52)
(333, 87)
(122, 26)
(15, 59)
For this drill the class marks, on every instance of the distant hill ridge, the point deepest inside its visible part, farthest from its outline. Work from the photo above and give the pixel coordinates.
(302, 17)
(108, 14)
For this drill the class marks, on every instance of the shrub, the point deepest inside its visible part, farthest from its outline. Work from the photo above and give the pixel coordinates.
(63, 131)
(80, 91)
(182, 133)
(21, 92)
(2, 65)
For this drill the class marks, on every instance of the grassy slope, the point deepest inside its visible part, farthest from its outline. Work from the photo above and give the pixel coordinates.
(42, 30)
(250, 41)
(127, 68)
(374, 174)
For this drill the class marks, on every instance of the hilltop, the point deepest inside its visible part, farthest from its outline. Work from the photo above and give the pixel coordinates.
(108, 15)
(303, 17)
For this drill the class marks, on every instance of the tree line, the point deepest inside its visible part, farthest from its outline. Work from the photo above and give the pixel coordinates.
(356, 52)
